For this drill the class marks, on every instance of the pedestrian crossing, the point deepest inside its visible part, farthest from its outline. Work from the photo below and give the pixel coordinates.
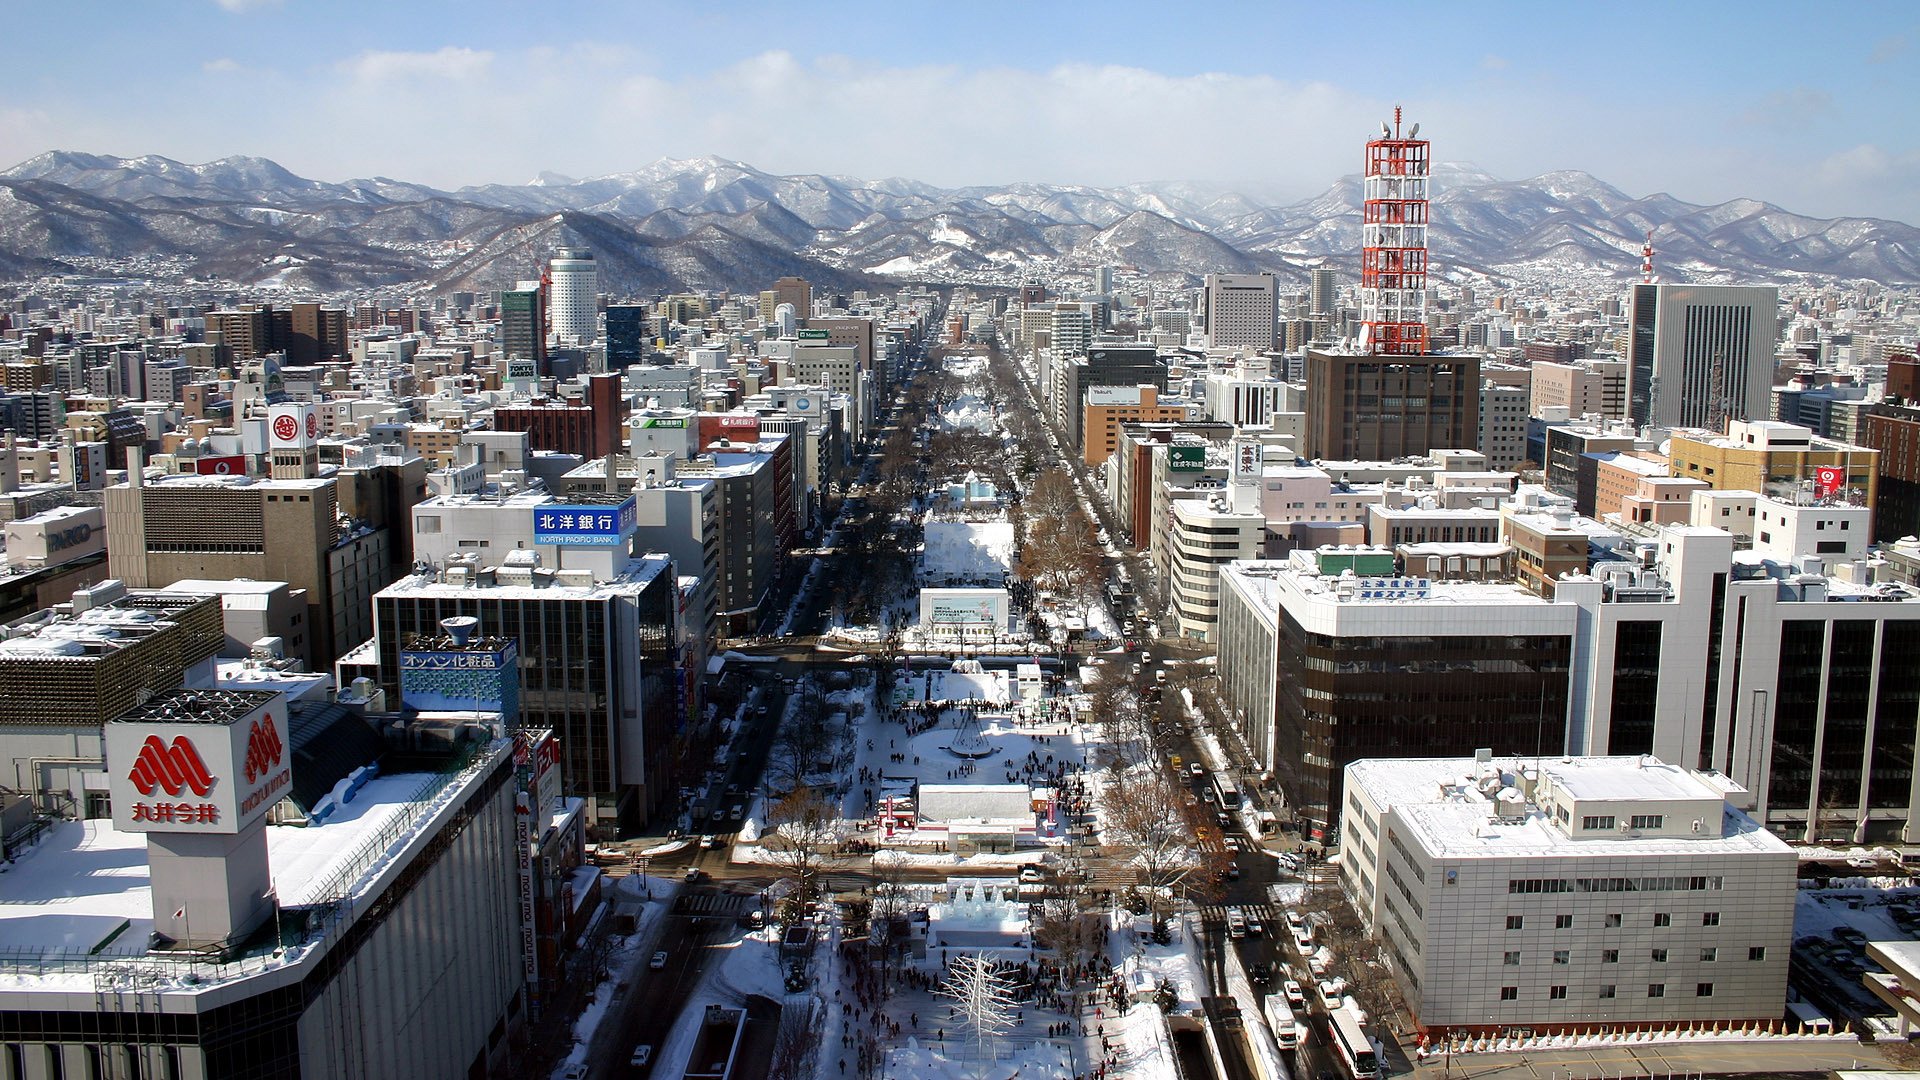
(724, 903)
(1263, 912)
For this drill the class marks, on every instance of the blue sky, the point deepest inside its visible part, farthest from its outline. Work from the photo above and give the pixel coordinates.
(1808, 106)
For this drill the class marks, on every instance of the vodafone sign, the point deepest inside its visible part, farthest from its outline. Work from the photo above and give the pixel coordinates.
(213, 776)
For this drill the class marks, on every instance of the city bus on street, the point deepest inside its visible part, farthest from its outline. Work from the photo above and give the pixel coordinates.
(1229, 795)
(1351, 1044)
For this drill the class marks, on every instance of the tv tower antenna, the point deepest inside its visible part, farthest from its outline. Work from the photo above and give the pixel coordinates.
(1646, 261)
(1393, 261)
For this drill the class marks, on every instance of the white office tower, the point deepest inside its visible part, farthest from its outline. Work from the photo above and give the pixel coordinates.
(784, 318)
(574, 297)
(1568, 893)
(1241, 309)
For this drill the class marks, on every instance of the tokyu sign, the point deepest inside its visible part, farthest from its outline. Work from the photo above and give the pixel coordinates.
(213, 776)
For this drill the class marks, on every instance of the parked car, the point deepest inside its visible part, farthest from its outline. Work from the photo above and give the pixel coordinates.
(709, 841)
(658, 960)
(1030, 875)
(642, 1057)
(694, 874)
(1296, 997)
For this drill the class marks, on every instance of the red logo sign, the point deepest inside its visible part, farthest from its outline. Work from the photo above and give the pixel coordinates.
(174, 768)
(313, 426)
(229, 465)
(285, 428)
(1828, 479)
(263, 749)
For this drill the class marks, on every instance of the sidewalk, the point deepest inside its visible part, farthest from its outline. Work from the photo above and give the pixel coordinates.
(1760, 1057)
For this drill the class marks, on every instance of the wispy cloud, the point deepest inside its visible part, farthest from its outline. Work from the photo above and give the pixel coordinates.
(241, 7)
(1887, 49)
(1791, 109)
(1493, 62)
(450, 64)
(225, 65)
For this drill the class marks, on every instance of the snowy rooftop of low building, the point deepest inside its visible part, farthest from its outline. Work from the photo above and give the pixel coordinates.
(86, 886)
(1454, 816)
(637, 572)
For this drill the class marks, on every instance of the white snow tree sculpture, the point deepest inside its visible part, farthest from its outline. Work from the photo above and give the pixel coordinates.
(983, 996)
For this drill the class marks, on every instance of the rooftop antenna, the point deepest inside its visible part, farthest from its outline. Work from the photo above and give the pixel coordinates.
(1646, 261)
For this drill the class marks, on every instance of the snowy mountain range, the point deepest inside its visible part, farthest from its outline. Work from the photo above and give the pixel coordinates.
(711, 223)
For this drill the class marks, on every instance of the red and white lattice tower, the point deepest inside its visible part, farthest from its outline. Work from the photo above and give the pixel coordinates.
(1393, 263)
(1646, 260)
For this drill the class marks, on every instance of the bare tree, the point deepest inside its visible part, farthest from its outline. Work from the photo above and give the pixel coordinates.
(982, 997)
(1145, 814)
(796, 1044)
(1052, 495)
(1124, 721)
(807, 740)
(802, 836)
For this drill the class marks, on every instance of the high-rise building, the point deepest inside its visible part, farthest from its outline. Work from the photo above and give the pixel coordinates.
(1393, 261)
(1320, 299)
(246, 332)
(573, 295)
(523, 324)
(1701, 355)
(318, 333)
(597, 660)
(589, 422)
(629, 329)
(1072, 329)
(1241, 310)
(1379, 407)
(270, 530)
(1582, 387)
(788, 290)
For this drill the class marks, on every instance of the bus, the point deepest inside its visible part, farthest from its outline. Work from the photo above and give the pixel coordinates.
(1351, 1044)
(1229, 795)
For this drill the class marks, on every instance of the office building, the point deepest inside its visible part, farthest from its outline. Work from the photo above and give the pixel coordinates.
(1783, 460)
(1802, 687)
(588, 419)
(291, 530)
(1563, 894)
(1377, 408)
(1070, 328)
(1241, 309)
(1503, 425)
(1322, 297)
(629, 334)
(1583, 388)
(573, 296)
(1203, 535)
(597, 665)
(523, 324)
(1108, 407)
(1701, 355)
(1893, 432)
(788, 290)
(318, 333)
